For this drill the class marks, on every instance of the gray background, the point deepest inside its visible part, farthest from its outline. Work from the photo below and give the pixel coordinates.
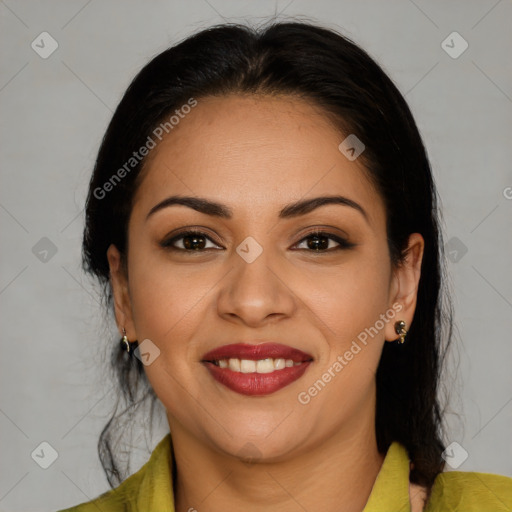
(54, 113)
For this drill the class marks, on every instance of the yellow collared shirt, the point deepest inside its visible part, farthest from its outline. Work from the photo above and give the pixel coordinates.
(150, 489)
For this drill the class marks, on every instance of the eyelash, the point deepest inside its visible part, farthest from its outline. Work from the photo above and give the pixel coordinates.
(343, 243)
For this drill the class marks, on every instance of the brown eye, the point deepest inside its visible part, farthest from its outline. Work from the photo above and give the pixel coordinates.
(319, 241)
(191, 241)
(196, 241)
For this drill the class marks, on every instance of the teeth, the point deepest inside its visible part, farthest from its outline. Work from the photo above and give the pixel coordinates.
(247, 366)
(265, 366)
(260, 366)
(234, 364)
(279, 364)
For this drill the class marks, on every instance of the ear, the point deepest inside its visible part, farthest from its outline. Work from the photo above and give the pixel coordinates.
(404, 286)
(121, 295)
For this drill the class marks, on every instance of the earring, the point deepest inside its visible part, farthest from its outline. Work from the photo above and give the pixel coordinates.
(401, 330)
(125, 344)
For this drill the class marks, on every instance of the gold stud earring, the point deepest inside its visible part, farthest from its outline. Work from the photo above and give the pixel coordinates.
(400, 329)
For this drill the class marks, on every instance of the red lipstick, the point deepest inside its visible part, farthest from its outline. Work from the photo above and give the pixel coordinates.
(256, 369)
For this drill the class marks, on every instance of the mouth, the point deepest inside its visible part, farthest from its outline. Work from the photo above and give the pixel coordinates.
(256, 369)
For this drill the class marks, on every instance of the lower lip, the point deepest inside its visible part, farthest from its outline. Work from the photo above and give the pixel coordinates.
(254, 384)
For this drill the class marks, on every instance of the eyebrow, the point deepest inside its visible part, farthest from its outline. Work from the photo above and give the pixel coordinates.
(296, 209)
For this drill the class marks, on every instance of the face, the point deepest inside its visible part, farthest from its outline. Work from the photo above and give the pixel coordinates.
(261, 272)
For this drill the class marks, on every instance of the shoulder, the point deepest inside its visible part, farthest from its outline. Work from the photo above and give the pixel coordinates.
(150, 485)
(119, 499)
(470, 491)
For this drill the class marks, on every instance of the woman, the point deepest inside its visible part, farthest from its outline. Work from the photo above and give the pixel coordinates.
(263, 217)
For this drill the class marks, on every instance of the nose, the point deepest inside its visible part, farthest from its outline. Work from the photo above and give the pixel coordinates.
(256, 293)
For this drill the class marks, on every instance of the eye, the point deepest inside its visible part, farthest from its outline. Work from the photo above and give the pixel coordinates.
(196, 241)
(191, 241)
(319, 241)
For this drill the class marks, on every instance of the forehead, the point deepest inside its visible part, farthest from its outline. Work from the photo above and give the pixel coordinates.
(255, 154)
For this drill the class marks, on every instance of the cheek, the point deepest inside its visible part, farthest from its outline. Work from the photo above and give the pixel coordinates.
(167, 300)
(350, 298)
(166, 305)
(352, 304)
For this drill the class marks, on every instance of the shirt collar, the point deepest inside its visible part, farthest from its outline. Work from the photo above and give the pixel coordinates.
(155, 491)
(390, 490)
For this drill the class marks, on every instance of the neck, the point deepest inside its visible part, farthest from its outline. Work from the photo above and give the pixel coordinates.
(337, 474)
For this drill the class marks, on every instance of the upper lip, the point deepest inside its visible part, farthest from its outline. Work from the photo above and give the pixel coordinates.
(256, 352)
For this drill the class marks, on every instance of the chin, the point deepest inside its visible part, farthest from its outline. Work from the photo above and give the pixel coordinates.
(264, 444)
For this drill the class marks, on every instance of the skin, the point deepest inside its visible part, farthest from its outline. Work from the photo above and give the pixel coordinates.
(257, 154)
